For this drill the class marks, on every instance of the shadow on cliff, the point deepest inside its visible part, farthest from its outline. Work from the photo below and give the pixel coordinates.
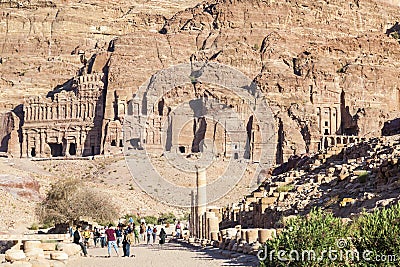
(67, 86)
(393, 29)
(391, 127)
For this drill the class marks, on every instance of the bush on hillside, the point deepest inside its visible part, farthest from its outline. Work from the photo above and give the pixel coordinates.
(69, 201)
(370, 237)
(151, 220)
(319, 231)
(378, 233)
(167, 217)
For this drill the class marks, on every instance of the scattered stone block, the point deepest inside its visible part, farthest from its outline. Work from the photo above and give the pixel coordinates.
(48, 246)
(344, 173)
(266, 234)
(59, 256)
(32, 244)
(281, 196)
(70, 249)
(17, 264)
(14, 255)
(34, 253)
(347, 201)
(268, 200)
(55, 263)
(251, 235)
(40, 263)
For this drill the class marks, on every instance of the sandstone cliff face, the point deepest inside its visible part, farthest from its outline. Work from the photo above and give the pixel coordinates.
(9, 139)
(309, 58)
(40, 41)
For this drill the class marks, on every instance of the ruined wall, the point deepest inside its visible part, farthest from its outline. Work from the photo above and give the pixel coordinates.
(67, 123)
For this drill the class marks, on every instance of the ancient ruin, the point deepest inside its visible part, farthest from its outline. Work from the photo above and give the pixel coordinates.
(68, 123)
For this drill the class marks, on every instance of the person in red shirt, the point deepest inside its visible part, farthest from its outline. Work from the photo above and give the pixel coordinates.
(111, 240)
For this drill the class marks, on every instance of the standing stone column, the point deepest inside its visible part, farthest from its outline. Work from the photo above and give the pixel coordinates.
(25, 143)
(201, 199)
(192, 224)
(212, 226)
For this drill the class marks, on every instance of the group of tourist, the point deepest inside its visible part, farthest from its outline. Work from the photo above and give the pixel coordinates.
(122, 235)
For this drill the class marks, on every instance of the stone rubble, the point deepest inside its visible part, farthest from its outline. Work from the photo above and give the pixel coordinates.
(39, 254)
(342, 179)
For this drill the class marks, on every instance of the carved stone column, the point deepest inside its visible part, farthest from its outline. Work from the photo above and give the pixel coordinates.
(201, 199)
(42, 142)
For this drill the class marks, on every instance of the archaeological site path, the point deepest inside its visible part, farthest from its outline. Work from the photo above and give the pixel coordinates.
(170, 254)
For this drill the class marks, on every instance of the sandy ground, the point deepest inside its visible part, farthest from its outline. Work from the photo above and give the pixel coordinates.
(170, 254)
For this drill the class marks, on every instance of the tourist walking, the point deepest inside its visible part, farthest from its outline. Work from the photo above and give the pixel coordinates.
(79, 240)
(149, 233)
(128, 240)
(178, 230)
(136, 234)
(96, 236)
(103, 237)
(111, 240)
(163, 235)
(142, 230)
(118, 233)
(154, 234)
(86, 236)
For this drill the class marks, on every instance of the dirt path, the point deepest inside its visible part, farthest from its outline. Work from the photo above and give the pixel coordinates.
(170, 254)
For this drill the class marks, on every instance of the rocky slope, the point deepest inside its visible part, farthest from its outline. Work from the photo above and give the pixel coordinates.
(345, 180)
(23, 183)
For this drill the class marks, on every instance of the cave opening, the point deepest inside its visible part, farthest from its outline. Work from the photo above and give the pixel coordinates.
(56, 149)
(72, 149)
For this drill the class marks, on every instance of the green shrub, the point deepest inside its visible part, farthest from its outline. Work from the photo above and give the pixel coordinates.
(46, 225)
(135, 218)
(319, 232)
(168, 217)
(378, 232)
(285, 188)
(363, 177)
(151, 219)
(34, 226)
(395, 35)
(185, 216)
